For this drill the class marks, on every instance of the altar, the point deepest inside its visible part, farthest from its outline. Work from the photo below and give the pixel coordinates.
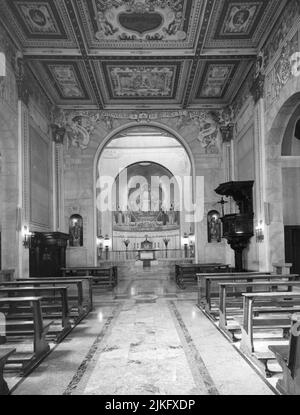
(146, 254)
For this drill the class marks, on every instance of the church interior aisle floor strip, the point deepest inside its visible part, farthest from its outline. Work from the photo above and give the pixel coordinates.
(150, 342)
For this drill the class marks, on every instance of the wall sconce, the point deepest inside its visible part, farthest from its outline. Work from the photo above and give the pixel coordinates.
(27, 235)
(191, 239)
(106, 245)
(185, 244)
(192, 244)
(100, 241)
(259, 234)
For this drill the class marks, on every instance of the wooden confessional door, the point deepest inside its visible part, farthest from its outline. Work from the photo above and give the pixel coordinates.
(292, 247)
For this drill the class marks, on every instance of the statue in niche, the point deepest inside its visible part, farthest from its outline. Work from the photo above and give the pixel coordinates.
(127, 216)
(76, 230)
(214, 226)
(145, 200)
(172, 215)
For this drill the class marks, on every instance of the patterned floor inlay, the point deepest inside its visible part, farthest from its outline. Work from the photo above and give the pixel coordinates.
(194, 358)
(83, 367)
(142, 340)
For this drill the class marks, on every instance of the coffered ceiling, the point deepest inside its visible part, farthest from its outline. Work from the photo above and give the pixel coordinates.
(143, 54)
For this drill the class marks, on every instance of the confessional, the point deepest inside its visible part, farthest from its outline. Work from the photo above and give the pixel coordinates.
(47, 254)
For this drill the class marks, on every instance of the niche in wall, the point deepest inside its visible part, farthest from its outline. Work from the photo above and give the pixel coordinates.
(76, 230)
(214, 231)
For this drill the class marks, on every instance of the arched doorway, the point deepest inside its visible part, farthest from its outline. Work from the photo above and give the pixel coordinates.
(282, 169)
(154, 158)
(290, 162)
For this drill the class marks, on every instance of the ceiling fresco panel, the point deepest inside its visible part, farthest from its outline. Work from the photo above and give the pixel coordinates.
(218, 80)
(150, 24)
(240, 23)
(66, 81)
(215, 79)
(153, 82)
(38, 23)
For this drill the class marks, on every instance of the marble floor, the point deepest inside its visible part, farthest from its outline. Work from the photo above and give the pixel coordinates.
(145, 338)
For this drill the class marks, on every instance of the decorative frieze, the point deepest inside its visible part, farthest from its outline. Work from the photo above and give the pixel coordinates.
(80, 125)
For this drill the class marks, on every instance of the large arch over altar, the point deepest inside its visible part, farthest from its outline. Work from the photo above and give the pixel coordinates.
(157, 190)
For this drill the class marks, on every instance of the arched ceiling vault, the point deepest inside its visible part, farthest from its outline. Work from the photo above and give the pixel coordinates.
(140, 54)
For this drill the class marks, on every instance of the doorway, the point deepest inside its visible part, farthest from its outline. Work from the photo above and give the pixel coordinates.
(292, 247)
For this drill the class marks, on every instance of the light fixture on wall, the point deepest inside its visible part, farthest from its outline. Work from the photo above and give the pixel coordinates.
(192, 243)
(185, 240)
(27, 236)
(106, 246)
(100, 242)
(259, 233)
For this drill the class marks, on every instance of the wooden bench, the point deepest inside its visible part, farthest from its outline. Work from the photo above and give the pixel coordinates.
(205, 282)
(17, 331)
(106, 277)
(289, 359)
(231, 298)
(7, 275)
(186, 273)
(4, 355)
(81, 309)
(54, 306)
(89, 279)
(286, 303)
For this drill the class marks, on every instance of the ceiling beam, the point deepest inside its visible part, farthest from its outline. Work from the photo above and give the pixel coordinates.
(203, 31)
(84, 52)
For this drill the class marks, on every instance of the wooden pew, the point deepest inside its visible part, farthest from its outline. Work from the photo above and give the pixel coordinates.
(89, 279)
(4, 355)
(285, 303)
(104, 276)
(16, 331)
(289, 359)
(205, 282)
(231, 297)
(54, 305)
(7, 275)
(82, 310)
(186, 273)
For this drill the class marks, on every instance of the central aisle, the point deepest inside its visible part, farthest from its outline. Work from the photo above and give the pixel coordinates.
(146, 338)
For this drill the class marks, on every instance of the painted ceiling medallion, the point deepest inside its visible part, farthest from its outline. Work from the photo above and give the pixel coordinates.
(140, 22)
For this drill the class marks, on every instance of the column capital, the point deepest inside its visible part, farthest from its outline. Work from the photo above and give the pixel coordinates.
(22, 83)
(258, 86)
(58, 133)
(227, 132)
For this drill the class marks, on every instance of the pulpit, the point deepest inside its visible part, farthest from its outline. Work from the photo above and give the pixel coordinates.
(47, 254)
(238, 228)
